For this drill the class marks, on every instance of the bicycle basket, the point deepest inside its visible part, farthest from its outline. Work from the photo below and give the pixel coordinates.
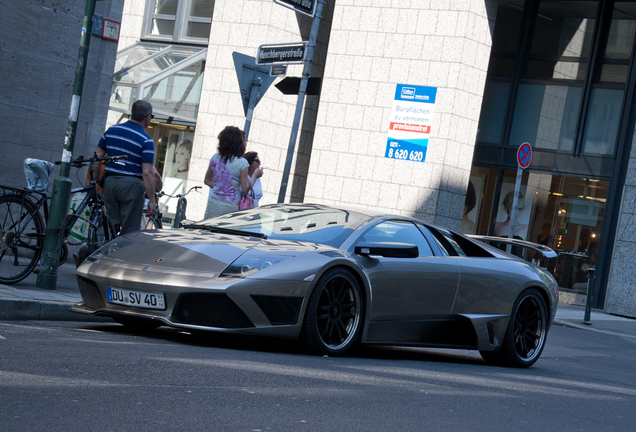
(37, 174)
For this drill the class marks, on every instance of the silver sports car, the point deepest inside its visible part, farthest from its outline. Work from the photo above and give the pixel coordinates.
(331, 277)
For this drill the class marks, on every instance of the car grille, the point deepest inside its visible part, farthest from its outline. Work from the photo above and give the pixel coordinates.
(279, 310)
(209, 310)
(90, 293)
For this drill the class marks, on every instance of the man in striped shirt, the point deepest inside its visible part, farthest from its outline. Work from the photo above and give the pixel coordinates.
(124, 183)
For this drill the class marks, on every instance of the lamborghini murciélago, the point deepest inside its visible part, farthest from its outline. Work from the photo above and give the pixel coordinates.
(330, 277)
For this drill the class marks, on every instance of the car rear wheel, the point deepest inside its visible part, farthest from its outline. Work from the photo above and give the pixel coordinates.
(334, 313)
(526, 334)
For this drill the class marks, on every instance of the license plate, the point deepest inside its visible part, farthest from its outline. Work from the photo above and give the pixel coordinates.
(136, 298)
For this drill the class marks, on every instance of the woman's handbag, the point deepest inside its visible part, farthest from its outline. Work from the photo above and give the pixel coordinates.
(247, 200)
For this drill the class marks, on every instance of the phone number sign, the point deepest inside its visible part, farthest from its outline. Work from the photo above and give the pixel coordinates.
(410, 125)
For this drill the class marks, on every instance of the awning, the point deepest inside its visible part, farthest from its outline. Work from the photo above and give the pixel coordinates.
(168, 76)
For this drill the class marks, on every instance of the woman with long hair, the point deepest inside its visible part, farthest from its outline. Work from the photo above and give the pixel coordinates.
(227, 173)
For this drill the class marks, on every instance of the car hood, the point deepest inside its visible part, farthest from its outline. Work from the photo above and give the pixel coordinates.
(191, 250)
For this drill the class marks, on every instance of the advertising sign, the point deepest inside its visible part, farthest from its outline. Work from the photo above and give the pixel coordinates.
(281, 53)
(304, 6)
(410, 125)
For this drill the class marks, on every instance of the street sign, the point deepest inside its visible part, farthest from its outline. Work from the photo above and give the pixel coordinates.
(281, 54)
(308, 7)
(291, 86)
(278, 70)
(524, 155)
(247, 73)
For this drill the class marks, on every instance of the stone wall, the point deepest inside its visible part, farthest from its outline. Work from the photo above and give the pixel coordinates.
(621, 290)
(372, 48)
(39, 45)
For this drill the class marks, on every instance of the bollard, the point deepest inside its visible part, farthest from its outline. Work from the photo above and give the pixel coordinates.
(591, 272)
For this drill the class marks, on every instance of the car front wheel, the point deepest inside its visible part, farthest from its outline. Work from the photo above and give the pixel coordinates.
(334, 313)
(526, 334)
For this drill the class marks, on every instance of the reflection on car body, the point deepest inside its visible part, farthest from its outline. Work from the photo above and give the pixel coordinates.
(330, 277)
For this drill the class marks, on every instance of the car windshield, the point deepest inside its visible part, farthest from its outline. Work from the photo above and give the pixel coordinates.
(306, 223)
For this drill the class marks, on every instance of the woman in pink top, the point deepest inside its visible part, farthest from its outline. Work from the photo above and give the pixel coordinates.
(227, 173)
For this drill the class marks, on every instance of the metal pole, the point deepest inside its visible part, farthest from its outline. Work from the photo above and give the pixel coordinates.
(47, 276)
(256, 85)
(515, 203)
(301, 98)
(591, 275)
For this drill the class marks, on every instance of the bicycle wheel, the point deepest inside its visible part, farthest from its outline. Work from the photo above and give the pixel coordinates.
(154, 222)
(21, 238)
(100, 232)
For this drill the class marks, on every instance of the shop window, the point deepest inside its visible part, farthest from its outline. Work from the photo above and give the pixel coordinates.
(173, 151)
(619, 43)
(563, 213)
(187, 21)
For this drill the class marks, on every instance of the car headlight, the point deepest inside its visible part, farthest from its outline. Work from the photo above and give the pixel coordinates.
(110, 248)
(247, 265)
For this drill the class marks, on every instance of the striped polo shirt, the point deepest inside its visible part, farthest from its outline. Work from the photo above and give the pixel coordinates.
(131, 140)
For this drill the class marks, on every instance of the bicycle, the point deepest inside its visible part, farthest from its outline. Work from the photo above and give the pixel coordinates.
(179, 215)
(22, 228)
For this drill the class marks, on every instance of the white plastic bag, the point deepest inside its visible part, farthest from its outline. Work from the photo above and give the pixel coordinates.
(80, 229)
(37, 174)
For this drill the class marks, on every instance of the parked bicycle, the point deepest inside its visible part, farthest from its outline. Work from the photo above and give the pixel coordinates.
(155, 221)
(22, 227)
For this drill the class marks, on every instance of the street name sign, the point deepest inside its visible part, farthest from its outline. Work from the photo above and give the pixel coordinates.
(308, 7)
(270, 54)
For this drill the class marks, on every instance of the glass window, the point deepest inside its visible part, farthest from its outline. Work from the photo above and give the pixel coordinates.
(619, 43)
(562, 40)
(398, 232)
(601, 126)
(186, 21)
(505, 43)
(493, 112)
(545, 116)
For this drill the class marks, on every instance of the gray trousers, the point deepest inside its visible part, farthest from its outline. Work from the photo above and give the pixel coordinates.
(124, 198)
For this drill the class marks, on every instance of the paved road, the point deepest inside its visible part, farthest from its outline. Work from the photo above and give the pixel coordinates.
(70, 376)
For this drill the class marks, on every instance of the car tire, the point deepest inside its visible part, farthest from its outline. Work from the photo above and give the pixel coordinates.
(139, 324)
(334, 313)
(526, 334)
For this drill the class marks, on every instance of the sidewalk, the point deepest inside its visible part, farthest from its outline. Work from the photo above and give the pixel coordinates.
(23, 301)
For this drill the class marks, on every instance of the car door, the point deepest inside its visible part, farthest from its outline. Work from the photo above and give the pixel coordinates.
(408, 291)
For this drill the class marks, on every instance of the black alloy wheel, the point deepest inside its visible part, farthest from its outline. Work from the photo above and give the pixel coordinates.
(526, 334)
(334, 313)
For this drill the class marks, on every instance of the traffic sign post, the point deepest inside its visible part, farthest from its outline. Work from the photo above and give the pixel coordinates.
(306, 7)
(302, 91)
(253, 82)
(524, 157)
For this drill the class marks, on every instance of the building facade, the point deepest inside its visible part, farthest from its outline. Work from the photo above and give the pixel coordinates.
(555, 74)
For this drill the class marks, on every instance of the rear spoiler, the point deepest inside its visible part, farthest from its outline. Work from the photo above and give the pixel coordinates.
(545, 251)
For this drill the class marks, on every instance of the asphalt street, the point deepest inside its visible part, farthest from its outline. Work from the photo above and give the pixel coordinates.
(78, 376)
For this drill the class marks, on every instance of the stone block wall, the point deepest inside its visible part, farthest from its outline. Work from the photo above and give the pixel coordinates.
(39, 45)
(372, 48)
(621, 290)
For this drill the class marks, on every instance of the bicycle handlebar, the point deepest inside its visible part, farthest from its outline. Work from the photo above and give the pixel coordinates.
(81, 161)
(162, 193)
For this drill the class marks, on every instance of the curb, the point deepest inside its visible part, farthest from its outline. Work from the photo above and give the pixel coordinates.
(592, 329)
(22, 310)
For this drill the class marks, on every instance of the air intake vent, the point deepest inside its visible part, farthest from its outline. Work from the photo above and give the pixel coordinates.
(279, 310)
(90, 293)
(209, 310)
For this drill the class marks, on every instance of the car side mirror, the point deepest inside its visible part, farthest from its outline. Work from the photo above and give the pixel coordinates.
(387, 249)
